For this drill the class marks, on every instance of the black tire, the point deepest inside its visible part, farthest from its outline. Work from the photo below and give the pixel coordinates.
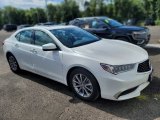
(14, 66)
(95, 86)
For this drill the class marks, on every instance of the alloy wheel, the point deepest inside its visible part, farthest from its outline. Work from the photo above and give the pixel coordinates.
(82, 85)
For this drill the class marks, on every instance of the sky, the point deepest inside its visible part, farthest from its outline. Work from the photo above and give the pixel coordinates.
(26, 4)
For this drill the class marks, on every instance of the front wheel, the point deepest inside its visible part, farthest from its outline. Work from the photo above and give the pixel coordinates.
(84, 85)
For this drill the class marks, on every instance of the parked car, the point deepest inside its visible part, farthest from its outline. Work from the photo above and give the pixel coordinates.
(91, 66)
(131, 22)
(149, 21)
(23, 26)
(108, 28)
(46, 24)
(50, 23)
(64, 23)
(10, 27)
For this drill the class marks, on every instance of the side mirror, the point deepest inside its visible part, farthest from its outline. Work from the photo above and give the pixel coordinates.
(49, 47)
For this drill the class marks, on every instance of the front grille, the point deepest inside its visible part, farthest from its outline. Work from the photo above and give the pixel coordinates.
(140, 35)
(144, 66)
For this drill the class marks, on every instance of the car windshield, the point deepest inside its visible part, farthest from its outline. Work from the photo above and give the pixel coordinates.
(74, 37)
(112, 23)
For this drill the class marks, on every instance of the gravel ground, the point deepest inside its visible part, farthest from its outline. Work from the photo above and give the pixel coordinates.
(28, 96)
(155, 34)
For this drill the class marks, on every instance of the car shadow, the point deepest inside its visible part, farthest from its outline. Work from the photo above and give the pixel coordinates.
(146, 106)
(152, 51)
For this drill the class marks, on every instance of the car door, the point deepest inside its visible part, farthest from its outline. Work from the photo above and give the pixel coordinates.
(22, 48)
(46, 63)
(99, 28)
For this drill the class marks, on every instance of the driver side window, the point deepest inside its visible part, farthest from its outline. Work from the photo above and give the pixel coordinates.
(42, 38)
(98, 24)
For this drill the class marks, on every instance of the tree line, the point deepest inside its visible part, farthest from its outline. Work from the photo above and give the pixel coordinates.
(118, 9)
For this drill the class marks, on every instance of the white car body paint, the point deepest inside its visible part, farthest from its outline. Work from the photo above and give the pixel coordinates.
(56, 64)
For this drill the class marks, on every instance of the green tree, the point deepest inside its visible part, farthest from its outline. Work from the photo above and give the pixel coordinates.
(69, 10)
(35, 15)
(21, 19)
(92, 8)
(28, 16)
(110, 11)
(125, 9)
(1, 21)
(41, 15)
(152, 8)
(158, 10)
(10, 15)
(52, 12)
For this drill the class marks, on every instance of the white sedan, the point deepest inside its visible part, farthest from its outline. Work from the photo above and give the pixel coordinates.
(91, 66)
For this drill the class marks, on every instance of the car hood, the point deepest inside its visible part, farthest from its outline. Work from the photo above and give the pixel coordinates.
(130, 28)
(112, 52)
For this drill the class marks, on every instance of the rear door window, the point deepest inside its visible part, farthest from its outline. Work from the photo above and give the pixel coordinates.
(25, 36)
(42, 38)
(17, 36)
(98, 24)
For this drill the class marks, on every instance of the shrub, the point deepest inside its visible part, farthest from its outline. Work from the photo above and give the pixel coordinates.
(157, 22)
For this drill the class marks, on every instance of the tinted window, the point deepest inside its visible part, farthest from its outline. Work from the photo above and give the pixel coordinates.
(26, 36)
(112, 23)
(17, 36)
(42, 38)
(80, 23)
(98, 24)
(76, 22)
(73, 37)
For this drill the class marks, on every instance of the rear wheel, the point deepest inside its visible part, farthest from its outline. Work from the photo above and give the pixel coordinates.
(84, 84)
(13, 63)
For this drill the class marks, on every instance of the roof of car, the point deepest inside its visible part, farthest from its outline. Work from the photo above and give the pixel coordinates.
(49, 27)
(96, 17)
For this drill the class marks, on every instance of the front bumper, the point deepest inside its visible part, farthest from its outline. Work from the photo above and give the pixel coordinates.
(123, 86)
(134, 93)
(142, 41)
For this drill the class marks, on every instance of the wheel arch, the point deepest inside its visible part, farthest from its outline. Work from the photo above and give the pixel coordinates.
(122, 36)
(80, 67)
(9, 53)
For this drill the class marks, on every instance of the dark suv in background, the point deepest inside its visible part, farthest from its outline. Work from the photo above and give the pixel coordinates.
(9, 27)
(108, 28)
(149, 21)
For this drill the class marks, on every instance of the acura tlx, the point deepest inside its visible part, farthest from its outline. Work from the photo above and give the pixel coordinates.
(92, 67)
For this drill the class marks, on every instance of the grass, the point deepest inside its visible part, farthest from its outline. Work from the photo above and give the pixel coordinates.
(143, 97)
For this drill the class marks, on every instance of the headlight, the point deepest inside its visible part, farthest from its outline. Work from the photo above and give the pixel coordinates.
(116, 69)
(139, 34)
(147, 31)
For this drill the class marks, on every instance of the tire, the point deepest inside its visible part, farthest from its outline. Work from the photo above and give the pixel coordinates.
(13, 63)
(84, 84)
